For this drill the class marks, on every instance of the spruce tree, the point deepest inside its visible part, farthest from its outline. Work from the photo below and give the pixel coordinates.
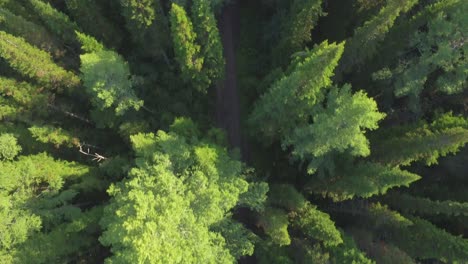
(90, 18)
(424, 206)
(21, 100)
(289, 101)
(36, 64)
(139, 14)
(361, 180)
(425, 142)
(363, 44)
(204, 25)
(187, 50)
(33, 33)
(296, 28)
(423, 240)
(57, 22)
(347, 115)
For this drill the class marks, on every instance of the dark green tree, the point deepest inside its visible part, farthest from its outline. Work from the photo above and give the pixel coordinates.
(34, 63)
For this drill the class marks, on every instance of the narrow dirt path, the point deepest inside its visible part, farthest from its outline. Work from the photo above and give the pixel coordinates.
(227, 97)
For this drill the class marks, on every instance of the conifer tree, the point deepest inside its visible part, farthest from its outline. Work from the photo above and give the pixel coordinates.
(348, 252)
(439, 55)
(19, 8)
(297, 27)
(187, 50)
(180, 186)
(302, 215)
(36, 64)
(89, 17)
(445, 135)
(139, 14)
(346, 114)
(323, 159)
(288, 103)
(204, 24)
(423, 240)
(361, 180)
(106, 75)
(363, 44)
(20, 100)
(54, 135)
(33, 33)
(57, 22)
(425, 206)
(275, 223)
(27, 177)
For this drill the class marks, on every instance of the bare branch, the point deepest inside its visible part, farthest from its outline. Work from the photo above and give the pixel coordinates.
(96, 157)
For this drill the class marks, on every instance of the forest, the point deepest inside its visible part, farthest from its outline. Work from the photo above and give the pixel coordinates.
(233, 131)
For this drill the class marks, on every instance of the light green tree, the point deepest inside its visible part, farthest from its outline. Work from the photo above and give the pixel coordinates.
(165, 210)
(339, 127)
(290, 100)
(9, 147)
(106, 76)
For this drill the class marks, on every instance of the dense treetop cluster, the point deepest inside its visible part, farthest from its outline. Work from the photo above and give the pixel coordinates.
(352, 123)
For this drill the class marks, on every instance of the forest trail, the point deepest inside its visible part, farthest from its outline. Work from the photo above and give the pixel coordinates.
(227, 97)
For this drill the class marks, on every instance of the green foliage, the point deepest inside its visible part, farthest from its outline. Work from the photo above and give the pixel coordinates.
(139, 14)
(322, 156)
(178, 190)
(426, 142)
(9, 147)
(289, 102)
(187, 51)
(379, 250)
(89, 44)
(423, 240)
(24, 99)
(28, 187)
(303, 215)
(89, 16)
(54, 135)
(207, 35)
(314, 255)
(36, 64)
(339, 127)
(255, 197)
(63, 243)
(106, 76)
(297, 27)
(271, 253)
(425, 206)
(439, 63)
(361, 180)
(31, 32)
(380, 216)
(348, 253)
(57, 22)
(275, 224)
(365, 40)
(16, 226)
(29, 172)
(317, 225)
(239, 240)
(285, 196)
